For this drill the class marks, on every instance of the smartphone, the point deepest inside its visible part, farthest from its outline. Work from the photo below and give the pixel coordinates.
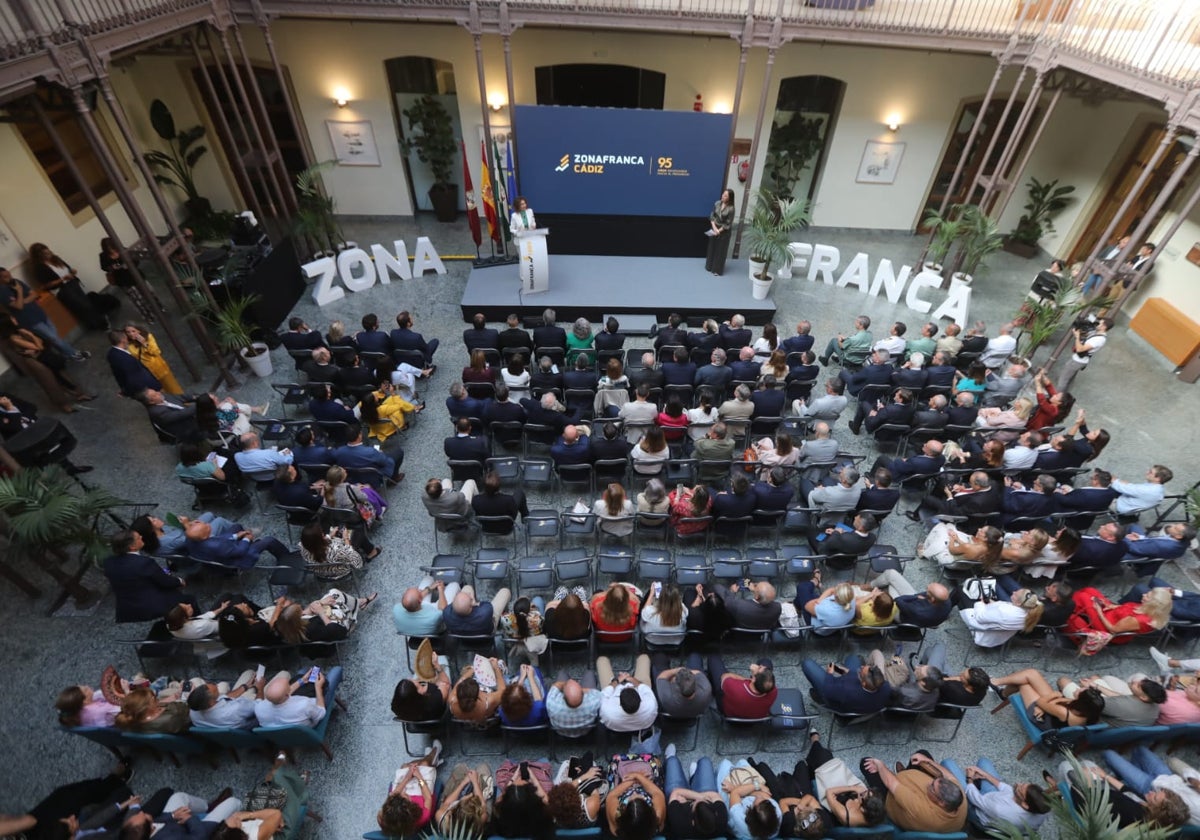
(314, 675)
(262, 670)
(657, 588)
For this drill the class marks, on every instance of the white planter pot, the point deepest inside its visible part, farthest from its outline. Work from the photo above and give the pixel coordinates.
(785, 272)
(959, 277)
(261, 363)
(755, 267)
(936, 268)
(760, 288)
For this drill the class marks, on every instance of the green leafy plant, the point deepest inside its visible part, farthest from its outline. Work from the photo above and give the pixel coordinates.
(1046, 200)
(214, 226)
(1043, 317)
(232, 332)
(772, 222)
(176, 166)
(48, 513)
(944, 229)
(1192, 504)
(317, 216)
(979, 236)
(791, 149)
(432, 137)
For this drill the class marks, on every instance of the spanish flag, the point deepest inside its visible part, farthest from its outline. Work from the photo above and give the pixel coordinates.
(489, 201)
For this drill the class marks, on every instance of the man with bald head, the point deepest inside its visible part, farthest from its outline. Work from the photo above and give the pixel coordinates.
(571, 448)
(821, 449)
(801, 342)
(465, 616)
(573, 705)
(746, 369)
(734, 335)
(760, 611)
(239, 550)
(924, 609)
(299, 703)
(258, 463)
(648, 374)
(419, 612)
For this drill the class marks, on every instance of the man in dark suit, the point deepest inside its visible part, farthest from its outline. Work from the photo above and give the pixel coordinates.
(706, 339)
(768, 400)
(911, 375)
(715, 375)
(929, 462)
(1086, 503)
(898, 412)
(371, 339)
(878, 493)
(352, 379)
(479, 336)
(132, 376)
(974, 341)
(938, 373)
(292, 491)
(805, 371)
(775, 493)
(758, 612)
(964, 411)
(405, 338)
(1104, 550)
(355, 455)
(571, 448)
(319, 370)
(462, 404)
(734, 335)
(680, 370)
(853, 688)
(674, 334)
(1038, 500)
(548, 335)
(877, 371)
(515, 337)
(548, 411)
(144, 590)
(648, 374)
(325, 408)
(238, 550)
(501, 409)
(609, 338)
(463, 446)
(543, 377)
(175, 415)
(491, 502)
(583, 376)
(801, 342)
(835, 540)
(739, 500)
(934, 416)
(610, 444)
(745, 369)
(925, 609)
(300, 337)
(307, 451)
(975, 498)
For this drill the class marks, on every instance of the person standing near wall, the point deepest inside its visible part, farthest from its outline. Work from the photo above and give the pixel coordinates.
(720, 222)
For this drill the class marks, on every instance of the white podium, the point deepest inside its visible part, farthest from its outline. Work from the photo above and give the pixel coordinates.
(534, 266)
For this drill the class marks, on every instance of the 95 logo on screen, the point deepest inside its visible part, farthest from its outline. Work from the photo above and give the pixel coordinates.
(666, 166)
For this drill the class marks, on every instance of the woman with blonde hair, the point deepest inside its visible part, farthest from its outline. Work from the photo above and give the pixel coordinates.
(1011, 420)
(145, 349)
(1094, 612)
(950, 546)
(141, 712)
(825, 611)
(341, 495)
(614, 510)
(1026, 547)
(467, 806)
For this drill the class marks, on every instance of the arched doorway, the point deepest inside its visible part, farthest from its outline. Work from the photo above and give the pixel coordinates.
(600, 86)
(409, 78)
(805, 113)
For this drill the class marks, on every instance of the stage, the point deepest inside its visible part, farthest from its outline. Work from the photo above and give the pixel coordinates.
(593, 286)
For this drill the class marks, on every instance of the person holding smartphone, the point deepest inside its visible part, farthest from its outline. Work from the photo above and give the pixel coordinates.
(296, 703)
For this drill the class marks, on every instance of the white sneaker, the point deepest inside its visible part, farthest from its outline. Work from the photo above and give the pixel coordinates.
(669, 751)
(692, 769)
(1161, 660)
(436, 749)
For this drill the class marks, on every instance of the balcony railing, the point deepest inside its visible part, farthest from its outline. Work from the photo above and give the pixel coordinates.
(1155, 39)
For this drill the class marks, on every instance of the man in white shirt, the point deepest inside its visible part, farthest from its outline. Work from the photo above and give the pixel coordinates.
(999, 348)
(895, 342)
(1022, 454)
(1082, 351)
(232, 710)
(993, 803)
(287, 703)
(627, 702)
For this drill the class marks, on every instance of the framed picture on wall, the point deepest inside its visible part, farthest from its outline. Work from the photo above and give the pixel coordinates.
(353, 143)
(880, 162)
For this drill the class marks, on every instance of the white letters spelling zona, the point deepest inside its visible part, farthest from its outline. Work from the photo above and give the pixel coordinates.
(358, 270)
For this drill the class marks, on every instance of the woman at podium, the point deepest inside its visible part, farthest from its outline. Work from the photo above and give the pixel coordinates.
(720, 223)
(522, 216)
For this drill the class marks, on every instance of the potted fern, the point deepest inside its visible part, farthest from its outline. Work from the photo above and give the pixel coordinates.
(433, 140)
(772, 222)
(233, 333)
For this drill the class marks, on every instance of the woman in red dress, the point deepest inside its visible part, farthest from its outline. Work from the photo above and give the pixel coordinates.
(1095, 612)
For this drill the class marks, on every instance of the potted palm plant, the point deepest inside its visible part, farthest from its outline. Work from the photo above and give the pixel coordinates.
(944, 230)
(433, 140)
(980, 238)
(316, 219)
(176, 166)
(1046, 199)
(46, 515)
(233, 333)
(772, 222)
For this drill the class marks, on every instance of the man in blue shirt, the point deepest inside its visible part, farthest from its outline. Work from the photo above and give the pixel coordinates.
(419, 612)
(467, 617)
(258, 463)
(1134, 498)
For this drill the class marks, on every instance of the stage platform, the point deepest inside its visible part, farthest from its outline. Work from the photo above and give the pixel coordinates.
(593, 286)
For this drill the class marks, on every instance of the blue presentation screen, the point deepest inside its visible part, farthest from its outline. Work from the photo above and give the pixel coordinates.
(619, 161)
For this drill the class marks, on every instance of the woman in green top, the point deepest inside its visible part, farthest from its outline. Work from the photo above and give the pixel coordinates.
(721, 221)
(579, 339)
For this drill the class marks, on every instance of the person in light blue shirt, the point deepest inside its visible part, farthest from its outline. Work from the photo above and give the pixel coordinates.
(161, 539)
(752, 811)
(419, 612)
(573, 704)
(232, 710)
(1133, 498)
(258, 463)
(824, 611)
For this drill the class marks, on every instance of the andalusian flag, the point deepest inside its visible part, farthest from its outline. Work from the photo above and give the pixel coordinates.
(489, 196)
(472, 207)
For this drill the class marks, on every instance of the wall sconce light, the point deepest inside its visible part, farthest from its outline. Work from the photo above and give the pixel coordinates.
(722, 107)
(341, 97)
(893, 122)
(496, 101)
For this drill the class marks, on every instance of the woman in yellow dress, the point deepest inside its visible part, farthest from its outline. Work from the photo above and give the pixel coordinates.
(145, 349)
(385, 412)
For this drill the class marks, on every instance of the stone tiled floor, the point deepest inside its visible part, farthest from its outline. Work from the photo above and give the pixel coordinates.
(1131, 391)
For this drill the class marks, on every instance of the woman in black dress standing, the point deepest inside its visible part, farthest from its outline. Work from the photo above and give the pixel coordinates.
(721, 221)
